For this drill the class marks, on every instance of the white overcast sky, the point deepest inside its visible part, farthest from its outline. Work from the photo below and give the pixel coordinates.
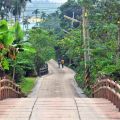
(58, 1)
(55, 1)
(47, 6)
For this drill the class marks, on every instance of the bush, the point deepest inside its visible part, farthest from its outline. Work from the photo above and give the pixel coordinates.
(19, 73)
(27, 84)
(79, 79)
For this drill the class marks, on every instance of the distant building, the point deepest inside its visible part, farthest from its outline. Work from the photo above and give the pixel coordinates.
(34, 20)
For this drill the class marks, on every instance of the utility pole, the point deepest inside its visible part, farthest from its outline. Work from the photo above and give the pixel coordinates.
(86, 44)
(84, 37)
(73, 17)
(16, 9)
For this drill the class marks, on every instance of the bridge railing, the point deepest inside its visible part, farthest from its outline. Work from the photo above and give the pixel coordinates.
(43, 70)
(107, 89)
(8, 89)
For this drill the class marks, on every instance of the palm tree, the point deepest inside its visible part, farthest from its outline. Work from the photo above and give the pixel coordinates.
(26, 23)
(43, 15)
(3, 10)
(13, 6)
(18, 5)
(36, 12)
(3, 14)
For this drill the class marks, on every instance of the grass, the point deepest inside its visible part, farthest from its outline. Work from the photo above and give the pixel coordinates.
(27, 84)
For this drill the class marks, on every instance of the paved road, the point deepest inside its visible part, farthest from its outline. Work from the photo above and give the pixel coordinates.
(58, 83)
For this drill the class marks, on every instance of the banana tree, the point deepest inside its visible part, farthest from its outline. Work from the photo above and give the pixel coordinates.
(19, 45)
(11, 43)
(6, 40)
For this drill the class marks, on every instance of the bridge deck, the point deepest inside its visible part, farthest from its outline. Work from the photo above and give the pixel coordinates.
(56, 97)
(58, 109)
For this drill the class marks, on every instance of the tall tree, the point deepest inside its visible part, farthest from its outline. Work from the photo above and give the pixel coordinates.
(67, 9)
(36, 12)
(13, 6)
(43, 42)
(43, 15)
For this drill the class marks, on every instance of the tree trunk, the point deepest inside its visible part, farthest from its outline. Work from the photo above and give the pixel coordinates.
(70, 61)
(72, 24)
(36, 19)
(15, 18)
(35, 70)
(13, 77)
(23, 20)
(14, 70)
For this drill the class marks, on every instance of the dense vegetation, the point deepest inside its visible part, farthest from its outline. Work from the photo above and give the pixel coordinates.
(103, 19)
(15, 7)
(22, 53)
(43, 42)
(27, 84)
(102, 29)
(90, 45)
(34, 52)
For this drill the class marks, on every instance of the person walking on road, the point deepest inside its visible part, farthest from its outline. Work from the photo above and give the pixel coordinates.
(59, 62)
(62, 63)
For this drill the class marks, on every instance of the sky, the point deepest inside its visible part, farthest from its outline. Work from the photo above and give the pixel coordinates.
(54, 1)
(47, 6)
(58, 1)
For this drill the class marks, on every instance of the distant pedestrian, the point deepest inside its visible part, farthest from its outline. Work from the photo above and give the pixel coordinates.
(62, 63)
(59, 62)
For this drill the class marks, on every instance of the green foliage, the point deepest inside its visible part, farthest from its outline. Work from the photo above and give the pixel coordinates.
(6, 35)
(5, 64)
(26, 61)
(18, 32)
(103, 16)
(6, 39)
(71, 46)
(12, 43)
(49, 24)
(43, 42)
(19, 73)
(67, 9)
(12, 6)
(27, 84)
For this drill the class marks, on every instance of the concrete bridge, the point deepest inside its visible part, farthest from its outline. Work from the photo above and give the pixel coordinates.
(57, 97)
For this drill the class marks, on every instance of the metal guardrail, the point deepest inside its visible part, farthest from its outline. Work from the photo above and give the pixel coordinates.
(107, 89)
(43, 70)
(8, 89)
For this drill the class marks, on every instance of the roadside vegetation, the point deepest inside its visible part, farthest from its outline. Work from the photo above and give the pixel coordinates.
(27, 84)
(22, 53)
(99, 45)
(102, 37)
